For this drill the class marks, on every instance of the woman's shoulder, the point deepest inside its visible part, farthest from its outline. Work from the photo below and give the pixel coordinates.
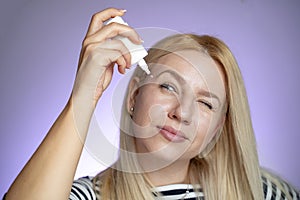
(275, 187)
(83, 188)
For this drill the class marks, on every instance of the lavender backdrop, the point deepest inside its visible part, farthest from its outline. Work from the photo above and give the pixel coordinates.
(40, 42)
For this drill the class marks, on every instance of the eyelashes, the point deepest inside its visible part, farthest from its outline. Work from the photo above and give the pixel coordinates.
(208, 105)
(172, 89)
(168, 87)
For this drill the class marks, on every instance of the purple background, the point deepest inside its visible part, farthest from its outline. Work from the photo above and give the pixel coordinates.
(40, 43)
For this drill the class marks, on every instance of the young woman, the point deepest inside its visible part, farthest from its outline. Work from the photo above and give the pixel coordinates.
(186, 131)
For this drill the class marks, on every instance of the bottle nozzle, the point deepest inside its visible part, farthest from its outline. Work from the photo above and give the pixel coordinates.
(144, 66)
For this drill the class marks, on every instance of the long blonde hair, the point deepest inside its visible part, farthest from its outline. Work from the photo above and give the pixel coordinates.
(227, 169)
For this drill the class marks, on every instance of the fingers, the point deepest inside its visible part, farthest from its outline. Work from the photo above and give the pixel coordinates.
(100, 52)
(121, 64)
(102, 35)
(118, 58)
(108, 49)
(97, 32)
(112, 30)
(100, 17)
(117, 45)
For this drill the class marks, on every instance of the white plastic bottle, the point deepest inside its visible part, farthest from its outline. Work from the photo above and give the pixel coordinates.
(137, 52)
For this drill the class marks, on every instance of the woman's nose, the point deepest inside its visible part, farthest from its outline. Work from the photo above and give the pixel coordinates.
(182, 111)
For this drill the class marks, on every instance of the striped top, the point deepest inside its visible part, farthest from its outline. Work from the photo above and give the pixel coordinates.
(82, 189)
(178, 191)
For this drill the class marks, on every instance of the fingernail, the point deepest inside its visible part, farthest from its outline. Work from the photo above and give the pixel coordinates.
(123, 11)
(141, 40)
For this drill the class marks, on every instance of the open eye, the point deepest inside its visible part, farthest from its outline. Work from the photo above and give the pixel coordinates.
(167, 87)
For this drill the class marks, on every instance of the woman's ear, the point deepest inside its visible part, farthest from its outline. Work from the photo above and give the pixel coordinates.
(133, 89)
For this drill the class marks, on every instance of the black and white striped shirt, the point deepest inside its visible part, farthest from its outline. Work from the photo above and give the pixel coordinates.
(82, 189)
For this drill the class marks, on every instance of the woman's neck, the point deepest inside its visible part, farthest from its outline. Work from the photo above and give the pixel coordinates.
(175, 173)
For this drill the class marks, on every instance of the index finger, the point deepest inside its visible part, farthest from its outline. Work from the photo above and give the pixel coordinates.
(100, 17)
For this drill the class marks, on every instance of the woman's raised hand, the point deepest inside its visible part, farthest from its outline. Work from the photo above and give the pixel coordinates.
(100, 52)
(65, 140)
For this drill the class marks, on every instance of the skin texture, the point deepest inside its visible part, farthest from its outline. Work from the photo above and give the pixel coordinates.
(187, 95)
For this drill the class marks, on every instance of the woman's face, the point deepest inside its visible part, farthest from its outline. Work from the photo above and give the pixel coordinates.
(180, 109)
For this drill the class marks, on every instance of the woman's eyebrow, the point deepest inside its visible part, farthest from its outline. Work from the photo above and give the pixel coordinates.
(174, 74)
(209, 95)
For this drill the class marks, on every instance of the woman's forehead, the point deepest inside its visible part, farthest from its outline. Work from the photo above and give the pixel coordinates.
(190, 61)
(194, 67)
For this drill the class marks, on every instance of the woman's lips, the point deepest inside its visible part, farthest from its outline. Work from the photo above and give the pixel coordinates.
(172, 134)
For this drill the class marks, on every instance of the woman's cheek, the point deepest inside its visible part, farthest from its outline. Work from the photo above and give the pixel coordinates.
(202, 131)
(211, 129)
(148, 108)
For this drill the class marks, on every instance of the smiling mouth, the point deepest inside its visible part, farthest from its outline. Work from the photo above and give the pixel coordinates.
(172, 134)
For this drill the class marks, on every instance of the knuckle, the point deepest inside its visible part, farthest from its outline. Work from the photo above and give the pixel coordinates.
(90, 48)
(95, 16)
(128, 55)
(85, 42)
(114, 25)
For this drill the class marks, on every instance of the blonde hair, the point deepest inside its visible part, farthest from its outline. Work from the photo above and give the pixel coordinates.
(228, 168)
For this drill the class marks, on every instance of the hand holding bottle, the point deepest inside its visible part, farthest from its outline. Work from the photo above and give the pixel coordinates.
(100, 52)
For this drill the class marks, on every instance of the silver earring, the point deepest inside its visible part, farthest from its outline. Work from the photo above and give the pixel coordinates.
(131, 112)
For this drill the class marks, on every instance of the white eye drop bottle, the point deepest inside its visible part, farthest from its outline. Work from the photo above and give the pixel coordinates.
(137, 52)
